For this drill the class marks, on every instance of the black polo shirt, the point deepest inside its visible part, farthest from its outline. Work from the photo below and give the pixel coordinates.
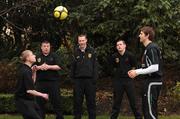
(24, 83)
(121, 64)
(48, 75)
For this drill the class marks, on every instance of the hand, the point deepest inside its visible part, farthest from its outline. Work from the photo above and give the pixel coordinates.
(43, 67)
(45, 96)
(34, 68)
(132, 73)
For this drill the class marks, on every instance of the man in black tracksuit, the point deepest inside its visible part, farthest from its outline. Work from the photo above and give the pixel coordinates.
(152, 69)
(84, 75)
(48, 79)
(121, 63)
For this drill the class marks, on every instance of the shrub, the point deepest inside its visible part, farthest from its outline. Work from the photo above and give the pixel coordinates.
(7, 104)
(174, 95)
(8, 75)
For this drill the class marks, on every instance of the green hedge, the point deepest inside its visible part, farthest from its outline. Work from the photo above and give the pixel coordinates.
(7, 104)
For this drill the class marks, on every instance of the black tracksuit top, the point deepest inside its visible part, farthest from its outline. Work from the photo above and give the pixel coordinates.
(84, 64)
(152, 55)
(121, 64)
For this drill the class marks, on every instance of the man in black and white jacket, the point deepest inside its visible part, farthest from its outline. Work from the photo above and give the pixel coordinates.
(152, 69)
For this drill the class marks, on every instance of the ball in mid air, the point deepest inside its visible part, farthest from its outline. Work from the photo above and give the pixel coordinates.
(60, 12)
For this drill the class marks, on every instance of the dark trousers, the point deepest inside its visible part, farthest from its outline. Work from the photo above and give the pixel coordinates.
(150, 96)
(28, 108)
(119, 88)
(52, 88)
(88, 88)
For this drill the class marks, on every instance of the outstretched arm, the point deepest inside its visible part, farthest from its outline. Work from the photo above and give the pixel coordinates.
(36, 93)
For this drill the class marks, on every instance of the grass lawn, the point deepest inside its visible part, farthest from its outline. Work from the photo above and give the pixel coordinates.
(6, 116)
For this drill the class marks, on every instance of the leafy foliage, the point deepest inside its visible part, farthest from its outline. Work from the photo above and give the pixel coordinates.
(25, 23)
(174, 93)
(103, 20)
(8, 75)
(107, 20)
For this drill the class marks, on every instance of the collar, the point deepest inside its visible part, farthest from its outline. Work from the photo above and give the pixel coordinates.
(86, 49)
(125, 52)
(148, 44)
(45, 55)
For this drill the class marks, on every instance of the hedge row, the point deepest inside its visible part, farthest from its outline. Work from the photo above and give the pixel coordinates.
(7, 104)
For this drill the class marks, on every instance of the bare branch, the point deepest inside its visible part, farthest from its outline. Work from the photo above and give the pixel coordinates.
(20, 5)
(12, 23)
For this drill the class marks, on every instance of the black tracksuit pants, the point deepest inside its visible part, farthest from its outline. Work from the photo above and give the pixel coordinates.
(28, 108)
(151, 91)
(53, 89)
(121, 86)
(85, 87)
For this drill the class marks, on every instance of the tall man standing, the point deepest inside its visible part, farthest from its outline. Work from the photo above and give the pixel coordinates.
(152, 69)
(48, 79)
(84, 75)
(121, 62)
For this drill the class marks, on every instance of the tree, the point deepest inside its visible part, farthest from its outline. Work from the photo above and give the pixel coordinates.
(107, 20)
(103, 20)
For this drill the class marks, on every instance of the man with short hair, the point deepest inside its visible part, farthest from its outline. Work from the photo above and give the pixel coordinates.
(121, 62)
(48, 78)
(84, 75)
(152, 69)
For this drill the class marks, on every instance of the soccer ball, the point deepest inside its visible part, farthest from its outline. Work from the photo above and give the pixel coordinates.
(60, 12)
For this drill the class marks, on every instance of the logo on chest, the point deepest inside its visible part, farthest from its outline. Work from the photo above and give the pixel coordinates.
(89, 55)
(77, 57)
(51, 59)
(117, 60)
(126, 61)
(39, 60)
